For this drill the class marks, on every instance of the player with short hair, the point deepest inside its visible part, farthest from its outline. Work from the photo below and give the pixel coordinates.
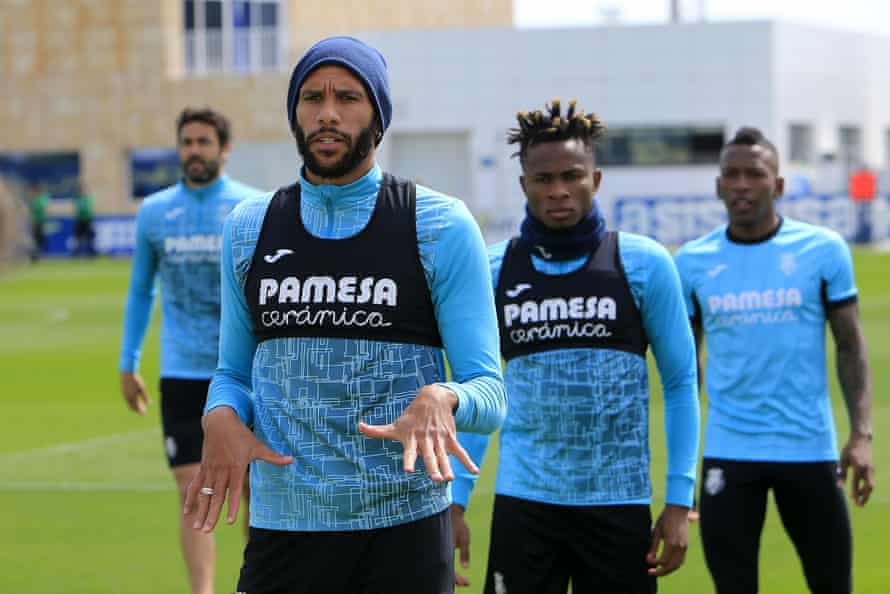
(578, 308)
(760, 289)
(178, 237)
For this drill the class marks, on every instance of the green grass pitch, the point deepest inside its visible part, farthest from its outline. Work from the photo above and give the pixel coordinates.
(90, 506)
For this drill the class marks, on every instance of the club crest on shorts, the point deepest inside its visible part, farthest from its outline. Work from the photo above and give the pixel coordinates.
(170, 445)
(714, 481)
(499, 586)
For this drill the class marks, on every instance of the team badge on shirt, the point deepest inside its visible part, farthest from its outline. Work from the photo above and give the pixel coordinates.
(788, 264)
(714, 482)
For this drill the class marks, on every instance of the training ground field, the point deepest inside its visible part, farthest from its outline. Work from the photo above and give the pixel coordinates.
(89, 505)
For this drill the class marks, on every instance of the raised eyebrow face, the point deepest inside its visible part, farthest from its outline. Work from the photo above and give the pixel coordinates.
(343, 90)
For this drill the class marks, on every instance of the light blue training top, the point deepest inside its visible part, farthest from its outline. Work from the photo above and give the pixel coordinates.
(577, 427)
(305, 396)
(178, 237)
(763, 308)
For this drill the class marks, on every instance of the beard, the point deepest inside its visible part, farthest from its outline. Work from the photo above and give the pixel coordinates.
(206, 174)
(356, 150)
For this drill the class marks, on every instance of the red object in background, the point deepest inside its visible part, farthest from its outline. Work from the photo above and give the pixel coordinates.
(863, 185)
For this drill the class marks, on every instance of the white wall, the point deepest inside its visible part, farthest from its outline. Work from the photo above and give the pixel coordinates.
(714, 74)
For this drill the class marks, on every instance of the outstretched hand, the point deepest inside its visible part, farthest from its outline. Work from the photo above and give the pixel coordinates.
(426, 428)
(229, 446)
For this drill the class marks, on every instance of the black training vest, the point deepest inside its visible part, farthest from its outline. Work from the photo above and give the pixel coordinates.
(368, 286)
(591, 308)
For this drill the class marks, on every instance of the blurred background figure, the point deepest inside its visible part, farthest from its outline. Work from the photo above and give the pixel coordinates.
(8, 227)
(84, 234)
(38, 200)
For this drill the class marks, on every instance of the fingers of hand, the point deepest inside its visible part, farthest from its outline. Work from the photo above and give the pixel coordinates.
(672, 557)
(235, 490)
(461, 581)
(464, 549)
(266, 455)
(409, 457)
(215, 503)
(444, 462)
(202, 502)
(657, 536)
(387, 431)
(461, 454)
(430, 458)
(863, 484)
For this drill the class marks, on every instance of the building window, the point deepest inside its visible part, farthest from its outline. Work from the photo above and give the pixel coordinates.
(56, 173)
(800, 143)
(851, 149)
(152, 170)
(655, 146)
(233, 35)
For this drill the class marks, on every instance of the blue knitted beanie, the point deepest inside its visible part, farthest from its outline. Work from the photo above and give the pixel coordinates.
(361, 59)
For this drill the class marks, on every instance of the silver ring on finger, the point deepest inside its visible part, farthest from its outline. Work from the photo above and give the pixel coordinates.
(209, 491)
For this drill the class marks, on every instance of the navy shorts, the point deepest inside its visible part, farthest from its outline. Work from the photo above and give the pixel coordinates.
(412, 558)
(182, 406)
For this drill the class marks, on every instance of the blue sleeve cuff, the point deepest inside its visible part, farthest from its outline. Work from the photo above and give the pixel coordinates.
(226, 391)
(128, 364)
(465, 404)
(680, 491)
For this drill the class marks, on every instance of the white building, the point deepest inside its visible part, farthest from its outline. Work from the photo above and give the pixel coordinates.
(670, 94)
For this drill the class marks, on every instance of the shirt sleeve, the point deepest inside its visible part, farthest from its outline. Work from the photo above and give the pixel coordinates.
(232, 380)
(140, 296)
(464, 307)
(681, 261)
(837, 273)
(474, 443)
(666, 321)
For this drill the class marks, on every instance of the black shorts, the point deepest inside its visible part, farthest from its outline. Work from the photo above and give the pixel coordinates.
(412, 558)
(182, 406)
(538, 548)
(733, 503)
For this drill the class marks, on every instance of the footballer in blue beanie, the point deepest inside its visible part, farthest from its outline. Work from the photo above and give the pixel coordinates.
(366, 66)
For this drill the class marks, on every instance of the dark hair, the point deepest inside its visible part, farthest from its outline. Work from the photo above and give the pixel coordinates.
(750, 136)
(207, 116)
(550, 125)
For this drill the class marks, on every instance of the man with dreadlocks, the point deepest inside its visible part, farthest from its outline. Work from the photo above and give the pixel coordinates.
(760, 289)
(578, 307)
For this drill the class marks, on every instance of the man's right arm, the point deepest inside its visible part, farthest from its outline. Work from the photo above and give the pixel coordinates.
(237, 344)
(140, 296)
(229, 445)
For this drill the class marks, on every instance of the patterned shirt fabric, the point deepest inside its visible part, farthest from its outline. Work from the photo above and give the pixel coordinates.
(763, 310)
(178, 238)
(577, 426)
(305, 396)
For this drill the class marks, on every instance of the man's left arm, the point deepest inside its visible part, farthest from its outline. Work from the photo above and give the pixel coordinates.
(475, 401)
(853, 376)
(666, 321)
